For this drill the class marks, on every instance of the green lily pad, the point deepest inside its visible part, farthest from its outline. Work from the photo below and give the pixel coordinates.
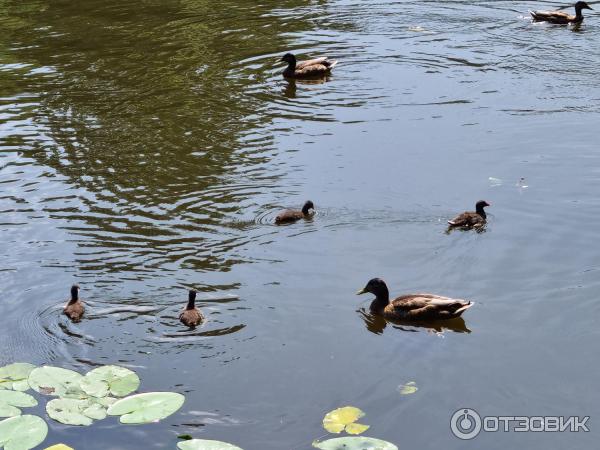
(354, 443)
(72, 411)
(49, 380)
(11, 401)
(146, 408)
(22, 432)
(408, 388)
(205, 444)
(341, 419)
(113, 380)
(14, 376)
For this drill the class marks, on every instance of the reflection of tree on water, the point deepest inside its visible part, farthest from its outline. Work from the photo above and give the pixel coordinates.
(152, 110)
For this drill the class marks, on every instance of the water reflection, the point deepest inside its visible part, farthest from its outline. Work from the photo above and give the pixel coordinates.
(376, 324)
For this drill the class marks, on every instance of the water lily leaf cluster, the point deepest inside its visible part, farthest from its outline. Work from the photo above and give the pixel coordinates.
(345, 418)
(11, 401)
(14, 376)
(80, 400)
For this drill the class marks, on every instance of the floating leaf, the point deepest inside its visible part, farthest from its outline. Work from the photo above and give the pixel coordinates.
(337, 420)
(59, 447)
(72, 411)
(49, 380)
(14, 376)
(22, 432)
(205, 444)
(146, 408)
(356, 428)
(114, 380)
(408, 388)
(11, 401)
(354, 443)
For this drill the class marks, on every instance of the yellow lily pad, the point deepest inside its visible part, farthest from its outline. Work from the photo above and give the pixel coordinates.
(408, 388)
(59, 447)
(341, 419)
(356, 428)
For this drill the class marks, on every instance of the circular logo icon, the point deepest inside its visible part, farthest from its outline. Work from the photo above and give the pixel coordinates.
(465, 423)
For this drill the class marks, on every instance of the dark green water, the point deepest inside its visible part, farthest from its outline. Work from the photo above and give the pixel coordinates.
(145, 148)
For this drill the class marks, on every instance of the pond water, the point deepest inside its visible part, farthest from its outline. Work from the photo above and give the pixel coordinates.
(146, 147)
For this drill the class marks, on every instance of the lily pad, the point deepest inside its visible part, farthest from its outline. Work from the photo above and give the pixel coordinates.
(344, 418)
(59, 447)
(49, 380)
(205, 444)
(14, 376)
(11, 401)
(408, 388)
(354, 443)
(72, 411)
(147, 407)
(113, 380)
(22, 432)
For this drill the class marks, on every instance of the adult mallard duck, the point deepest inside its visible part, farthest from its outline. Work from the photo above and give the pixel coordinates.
(292, 215)
(191, 316)
(413, 306)
(471, 219)
(74, 308)
(560, 17)
(312, 68)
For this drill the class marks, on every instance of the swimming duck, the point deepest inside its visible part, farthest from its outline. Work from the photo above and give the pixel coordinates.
(471, 219)
(560, 17)
(191, 316)
(292, 215)
(74, 308)
(413, 306)
(307, 69)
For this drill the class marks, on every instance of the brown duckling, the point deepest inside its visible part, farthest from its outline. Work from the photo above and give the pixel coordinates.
(311, 68)
(74, 308)
(413, 306)
(292, 215)
(191, 316)
(560, 17)
(471, 219)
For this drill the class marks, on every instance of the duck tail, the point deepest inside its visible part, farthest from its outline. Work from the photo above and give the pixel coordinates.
(451, 222)
(332, 63)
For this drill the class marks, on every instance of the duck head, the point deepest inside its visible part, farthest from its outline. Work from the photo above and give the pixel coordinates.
(74, 293)
(307, 207)
(377, 287)
(480, 205)
(191, 299)
(291, 59)
(582, 5)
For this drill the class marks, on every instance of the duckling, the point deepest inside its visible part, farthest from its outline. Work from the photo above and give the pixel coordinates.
(471, 219)
(413, 306)
(312, 68)
(191, 316)
(292, 215)
(74, 308)
(560, 17)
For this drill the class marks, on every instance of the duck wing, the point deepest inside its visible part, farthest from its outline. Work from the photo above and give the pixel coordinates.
(289, 215)
(466, 219)
(559, 17)
(426, 307)
(323, 60)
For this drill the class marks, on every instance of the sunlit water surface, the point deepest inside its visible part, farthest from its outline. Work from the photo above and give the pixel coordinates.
(146, 148)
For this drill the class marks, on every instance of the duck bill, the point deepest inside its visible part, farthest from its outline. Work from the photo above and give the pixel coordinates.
(361, 291)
